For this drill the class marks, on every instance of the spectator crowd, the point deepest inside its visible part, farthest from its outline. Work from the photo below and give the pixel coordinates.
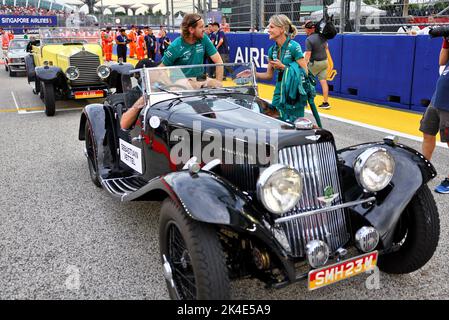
(30, 11)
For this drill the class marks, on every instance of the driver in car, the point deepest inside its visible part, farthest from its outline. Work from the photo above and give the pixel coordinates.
(189, 49)
(130, 116)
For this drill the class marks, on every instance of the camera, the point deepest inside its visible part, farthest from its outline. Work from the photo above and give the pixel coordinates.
(439, 32)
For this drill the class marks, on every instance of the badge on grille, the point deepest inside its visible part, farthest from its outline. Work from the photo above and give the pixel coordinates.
(329, 196)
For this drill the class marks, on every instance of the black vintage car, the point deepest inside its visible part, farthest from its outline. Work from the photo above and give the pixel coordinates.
(247, 195)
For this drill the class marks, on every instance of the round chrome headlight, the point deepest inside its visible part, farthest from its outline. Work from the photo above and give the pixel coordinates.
(103, 71)
(374, 169)
(279, 188)
(72, 73)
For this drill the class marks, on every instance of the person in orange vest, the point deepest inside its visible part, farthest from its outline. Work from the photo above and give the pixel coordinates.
(132, 36)
(103, 44)
(5, 39)
(141, 47)
(11, 35)
(224, 25)
(108, 38)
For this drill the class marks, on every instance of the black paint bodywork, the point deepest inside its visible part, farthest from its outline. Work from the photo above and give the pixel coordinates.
(56, 76)
(211, 198)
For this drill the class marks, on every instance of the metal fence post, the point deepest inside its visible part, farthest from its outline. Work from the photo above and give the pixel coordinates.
(167, 16)
(358, 6)
(261, 15)
(342, 16)
(172, 16)
(251, 23)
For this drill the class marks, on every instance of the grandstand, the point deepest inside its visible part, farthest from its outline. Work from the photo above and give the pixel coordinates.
(33, 7)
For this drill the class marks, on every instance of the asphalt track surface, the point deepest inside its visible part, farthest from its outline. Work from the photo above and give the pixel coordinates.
(63, 238)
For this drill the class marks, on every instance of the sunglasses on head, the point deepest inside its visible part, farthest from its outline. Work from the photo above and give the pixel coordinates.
(194, 22)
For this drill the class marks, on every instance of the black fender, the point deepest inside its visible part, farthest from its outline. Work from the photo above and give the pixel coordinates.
(412, 170)
(102, 130)
(48, 73)
(115, 78)
(30, 68)
(207, 198)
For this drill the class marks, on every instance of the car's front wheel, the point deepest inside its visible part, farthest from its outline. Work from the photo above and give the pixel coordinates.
(91, 155)
(192, 257)
(48, 92)
(416, 235)
(12, 73)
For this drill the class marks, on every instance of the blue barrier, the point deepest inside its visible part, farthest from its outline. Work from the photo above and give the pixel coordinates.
(394, 70)
(336, 51)
(425, 73)
(378, 69)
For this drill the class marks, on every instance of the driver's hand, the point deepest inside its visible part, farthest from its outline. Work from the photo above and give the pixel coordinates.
(244, 74)
(214, 83)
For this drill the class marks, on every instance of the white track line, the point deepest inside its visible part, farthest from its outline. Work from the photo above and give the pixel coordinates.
(57, 110)
(380, 129)
(17, 105)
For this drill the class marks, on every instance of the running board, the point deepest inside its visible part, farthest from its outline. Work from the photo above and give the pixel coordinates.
(120, 188)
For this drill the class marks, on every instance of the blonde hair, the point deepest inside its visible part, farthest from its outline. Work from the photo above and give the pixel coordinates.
(282, 21)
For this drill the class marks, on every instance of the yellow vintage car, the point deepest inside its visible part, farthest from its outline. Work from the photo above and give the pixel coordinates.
(68, 63)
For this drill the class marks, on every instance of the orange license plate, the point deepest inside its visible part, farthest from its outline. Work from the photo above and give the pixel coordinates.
(89, 94)
(331, 274)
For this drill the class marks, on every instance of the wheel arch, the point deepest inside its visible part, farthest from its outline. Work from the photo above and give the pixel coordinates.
(411, 172)
(96, 115)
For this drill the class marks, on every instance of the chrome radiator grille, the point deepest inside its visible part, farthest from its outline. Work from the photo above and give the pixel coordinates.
(241, 173)
(87, 64)
(317, 163)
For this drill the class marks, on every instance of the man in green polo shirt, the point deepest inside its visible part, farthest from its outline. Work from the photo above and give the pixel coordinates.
(191, 47)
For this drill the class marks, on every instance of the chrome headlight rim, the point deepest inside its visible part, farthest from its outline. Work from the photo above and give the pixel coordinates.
(360, 165)
(105, 67)
(69, 75)
(265, 177)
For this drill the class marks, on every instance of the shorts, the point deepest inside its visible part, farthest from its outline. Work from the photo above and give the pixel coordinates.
(319, 69)
(435, 120)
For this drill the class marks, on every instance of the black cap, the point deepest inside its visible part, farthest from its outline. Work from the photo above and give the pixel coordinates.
(309, 24)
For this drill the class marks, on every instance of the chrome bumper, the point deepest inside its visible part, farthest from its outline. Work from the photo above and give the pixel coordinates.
(325, 209)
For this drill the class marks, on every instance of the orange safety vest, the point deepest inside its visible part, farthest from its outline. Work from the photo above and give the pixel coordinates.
(108, 37)
(5, 40)
(132, 36)
(140, 41)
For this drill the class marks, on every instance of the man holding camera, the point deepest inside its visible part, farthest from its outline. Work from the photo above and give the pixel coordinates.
(316, 58)
(436, 118)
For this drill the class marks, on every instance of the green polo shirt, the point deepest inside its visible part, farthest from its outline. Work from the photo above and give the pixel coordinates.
(289, 52)
(181, 53)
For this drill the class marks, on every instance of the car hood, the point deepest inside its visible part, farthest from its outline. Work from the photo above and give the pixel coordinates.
(234, 117)
(66, 51)
(16, 54)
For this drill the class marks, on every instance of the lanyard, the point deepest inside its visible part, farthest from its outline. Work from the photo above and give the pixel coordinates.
(276, 53)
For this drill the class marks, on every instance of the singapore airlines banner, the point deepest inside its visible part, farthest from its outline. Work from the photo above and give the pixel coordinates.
(11, 21)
